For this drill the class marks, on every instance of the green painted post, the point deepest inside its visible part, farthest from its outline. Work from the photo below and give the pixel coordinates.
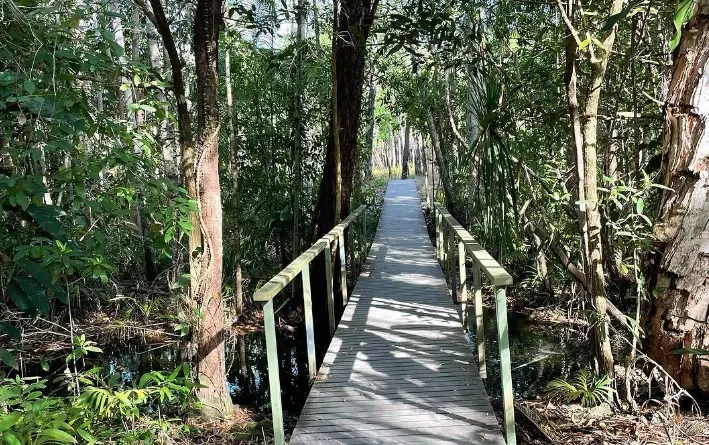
(363, 237)
(444, 240)
(328, 283)
(309, 329)
(343, 267)
(452, 248)
(437, 222)
(479, 319)
(508, 406)
(350, 235)
(273, 378)
(463, 285)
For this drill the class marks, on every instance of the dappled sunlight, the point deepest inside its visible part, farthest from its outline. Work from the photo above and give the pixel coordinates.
(399, 369)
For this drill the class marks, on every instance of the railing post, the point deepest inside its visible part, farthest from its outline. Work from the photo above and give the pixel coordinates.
(273, 377)
(453, 249)
(463, 285)
(508, 406)
(363, 247)
(309, 329)
(350, 235)
(328, 284)
(437, 226)
(479, 319)
(343, 267)
(444, 241)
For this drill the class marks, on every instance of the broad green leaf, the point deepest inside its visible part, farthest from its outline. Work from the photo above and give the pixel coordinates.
(47, 217)
(53, 435)
(11, 439)
(11, 419)
(682, 14)
(20, 298)
(9, 359)
(640, 205)
(36, 294)
(10, 330)
(29, 86)
(615, 18)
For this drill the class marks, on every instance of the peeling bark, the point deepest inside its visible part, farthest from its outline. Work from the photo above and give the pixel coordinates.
(678, 315)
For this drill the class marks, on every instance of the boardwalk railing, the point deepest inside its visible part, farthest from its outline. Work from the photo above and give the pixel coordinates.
(453, 246)
(301, 266)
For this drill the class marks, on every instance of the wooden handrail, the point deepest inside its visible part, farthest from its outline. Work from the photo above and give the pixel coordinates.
(281, 280)
(300, 266)
(452, 241)
(497, 274)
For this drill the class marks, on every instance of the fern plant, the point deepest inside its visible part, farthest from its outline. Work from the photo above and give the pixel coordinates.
(584, 387)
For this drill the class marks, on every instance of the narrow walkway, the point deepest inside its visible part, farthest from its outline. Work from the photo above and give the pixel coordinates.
(399, 369)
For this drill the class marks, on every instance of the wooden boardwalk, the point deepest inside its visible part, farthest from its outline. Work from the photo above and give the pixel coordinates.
(399, 369)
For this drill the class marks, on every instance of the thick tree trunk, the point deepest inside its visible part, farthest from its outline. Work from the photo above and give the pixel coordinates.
(406, 153)
(351, 28)
(209, 333)
(679, 312)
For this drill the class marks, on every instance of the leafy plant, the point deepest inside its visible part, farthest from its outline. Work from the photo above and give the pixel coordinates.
(585, 388)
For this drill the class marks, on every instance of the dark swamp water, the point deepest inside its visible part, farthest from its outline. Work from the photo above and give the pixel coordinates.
(539, 354)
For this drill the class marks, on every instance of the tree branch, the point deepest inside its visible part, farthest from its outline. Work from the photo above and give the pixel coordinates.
(568, 23)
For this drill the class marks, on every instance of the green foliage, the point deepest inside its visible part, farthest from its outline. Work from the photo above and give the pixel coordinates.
(104, 412)
(585, 388)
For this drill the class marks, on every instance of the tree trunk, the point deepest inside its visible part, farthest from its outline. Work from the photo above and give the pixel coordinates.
(234, 175)
(406, 153)
(297, 128)
(678, 315)
(352, 23)
(441, 161)
(370, 131)
(594, 255)
(209, 332)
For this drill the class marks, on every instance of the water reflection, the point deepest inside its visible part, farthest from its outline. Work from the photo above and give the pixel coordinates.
(246, 361)
(538, 355)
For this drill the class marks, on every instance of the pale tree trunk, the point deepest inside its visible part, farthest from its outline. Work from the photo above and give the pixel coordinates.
(587, 170)
(595, 273)
(298, 128)
(678, 316)
(441, 161)
(165, 133)
(234, 174)
(406, 153)
(370, 131)
(138, 118)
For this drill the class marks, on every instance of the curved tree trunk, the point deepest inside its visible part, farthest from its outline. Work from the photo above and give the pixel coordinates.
(678, 316)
